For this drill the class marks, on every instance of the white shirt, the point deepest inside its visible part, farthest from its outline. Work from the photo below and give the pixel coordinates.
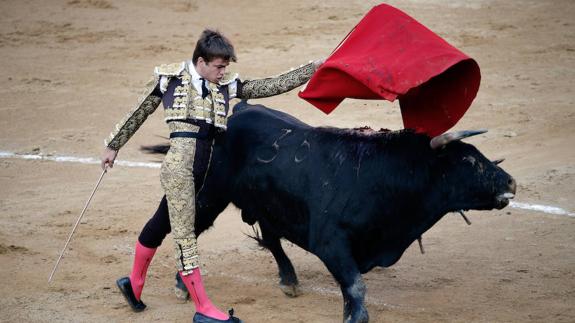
(196, 78)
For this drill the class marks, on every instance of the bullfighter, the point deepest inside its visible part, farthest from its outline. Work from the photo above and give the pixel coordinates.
(196, 95)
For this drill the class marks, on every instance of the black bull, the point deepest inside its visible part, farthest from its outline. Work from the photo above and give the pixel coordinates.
(354, 199)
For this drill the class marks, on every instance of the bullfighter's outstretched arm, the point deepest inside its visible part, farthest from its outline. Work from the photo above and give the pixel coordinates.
(147, 104)
(270, 86)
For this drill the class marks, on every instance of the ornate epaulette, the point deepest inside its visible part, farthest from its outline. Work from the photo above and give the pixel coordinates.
(228, 78)
(173, 69)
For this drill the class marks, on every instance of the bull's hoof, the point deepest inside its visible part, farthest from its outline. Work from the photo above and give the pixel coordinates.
(290, 290)
(180, 290)
(361, 316)
(181, 295)
(126, 289)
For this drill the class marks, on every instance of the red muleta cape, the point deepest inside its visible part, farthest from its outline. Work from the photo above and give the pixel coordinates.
(390, 55)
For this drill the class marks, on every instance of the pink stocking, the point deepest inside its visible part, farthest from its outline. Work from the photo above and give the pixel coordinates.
(142, 260)
(203, 304)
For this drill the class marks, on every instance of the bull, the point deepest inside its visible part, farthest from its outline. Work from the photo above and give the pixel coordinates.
(355, 199)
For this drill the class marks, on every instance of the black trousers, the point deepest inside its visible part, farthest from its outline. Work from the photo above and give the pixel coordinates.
(157, 227)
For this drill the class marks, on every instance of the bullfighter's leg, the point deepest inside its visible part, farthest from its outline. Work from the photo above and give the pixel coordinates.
(149, 240)
(206, 214)
(288, 279)
(212, 198)
(340, 263)
(178, 183)
(157, 227)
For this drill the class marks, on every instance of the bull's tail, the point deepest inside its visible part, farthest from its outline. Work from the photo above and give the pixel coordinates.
(156, 149)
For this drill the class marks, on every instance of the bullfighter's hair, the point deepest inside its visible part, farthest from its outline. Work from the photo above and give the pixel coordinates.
(212, 44)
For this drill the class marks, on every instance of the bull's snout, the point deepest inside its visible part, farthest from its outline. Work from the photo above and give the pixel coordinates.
(502, 200)
(512, 185)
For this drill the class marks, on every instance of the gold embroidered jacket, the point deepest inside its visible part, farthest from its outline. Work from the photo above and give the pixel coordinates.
(187, 104)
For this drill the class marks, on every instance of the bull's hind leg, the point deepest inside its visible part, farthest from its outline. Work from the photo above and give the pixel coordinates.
(288, 279)
(340, 263)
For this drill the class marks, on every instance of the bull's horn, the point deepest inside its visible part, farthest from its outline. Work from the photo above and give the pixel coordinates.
(444, 139)
(498, 161)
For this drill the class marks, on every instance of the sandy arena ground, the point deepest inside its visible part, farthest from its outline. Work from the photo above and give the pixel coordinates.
(72, 68)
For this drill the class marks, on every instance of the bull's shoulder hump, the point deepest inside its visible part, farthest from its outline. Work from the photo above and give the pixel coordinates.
(266, 116)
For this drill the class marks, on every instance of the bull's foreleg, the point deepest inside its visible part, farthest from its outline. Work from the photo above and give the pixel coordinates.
(344, 269)
(288, 279)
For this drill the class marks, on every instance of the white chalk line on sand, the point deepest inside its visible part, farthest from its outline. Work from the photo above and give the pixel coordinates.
(80, 160)
(541, 208)
(88, 160)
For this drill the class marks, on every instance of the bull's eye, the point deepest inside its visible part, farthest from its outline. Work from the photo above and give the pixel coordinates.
(469, 159)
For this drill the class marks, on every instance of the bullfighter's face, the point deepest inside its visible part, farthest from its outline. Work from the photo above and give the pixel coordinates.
(213, 70)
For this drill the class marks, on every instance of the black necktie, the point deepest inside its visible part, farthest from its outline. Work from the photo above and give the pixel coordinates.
(205, 90)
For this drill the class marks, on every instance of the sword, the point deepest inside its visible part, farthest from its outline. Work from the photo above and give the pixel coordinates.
(76, 225)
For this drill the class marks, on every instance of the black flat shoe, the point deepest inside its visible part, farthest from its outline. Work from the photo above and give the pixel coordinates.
(126, 288)
(201, 318)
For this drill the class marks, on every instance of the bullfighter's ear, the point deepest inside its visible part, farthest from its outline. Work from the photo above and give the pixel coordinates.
(444, 139)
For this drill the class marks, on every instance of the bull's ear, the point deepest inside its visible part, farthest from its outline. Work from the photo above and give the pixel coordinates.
(444, 139)
(498, 161)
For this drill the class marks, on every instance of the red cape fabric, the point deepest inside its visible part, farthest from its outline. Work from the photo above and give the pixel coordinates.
(390, 55)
